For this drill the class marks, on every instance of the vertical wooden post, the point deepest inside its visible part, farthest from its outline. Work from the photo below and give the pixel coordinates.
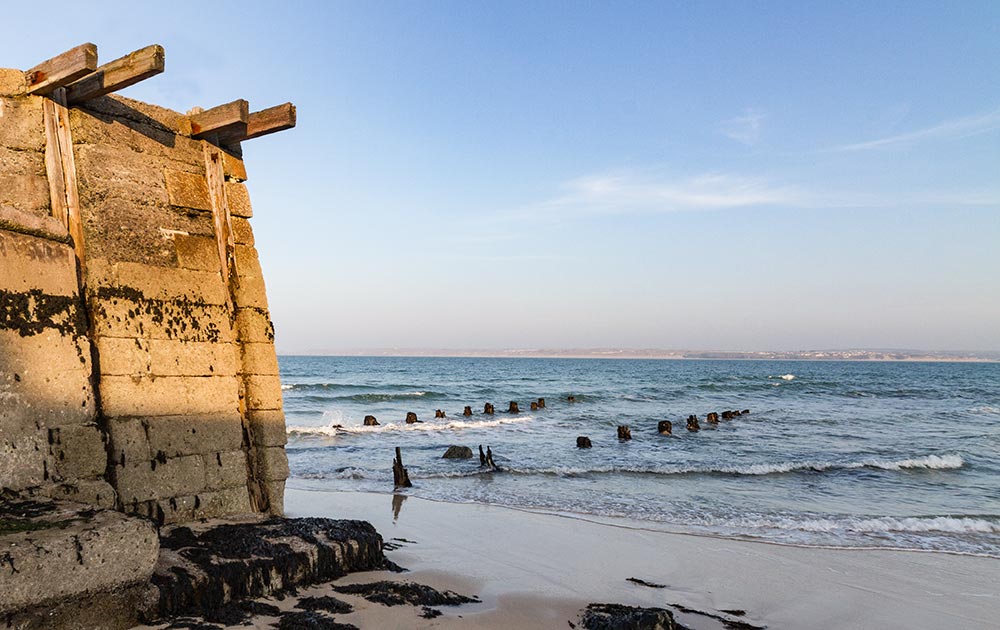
(60, 166)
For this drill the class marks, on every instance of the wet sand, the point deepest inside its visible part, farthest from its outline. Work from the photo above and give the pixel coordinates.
(535, 570)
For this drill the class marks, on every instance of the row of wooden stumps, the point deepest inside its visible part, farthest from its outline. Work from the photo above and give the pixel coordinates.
(665, 427)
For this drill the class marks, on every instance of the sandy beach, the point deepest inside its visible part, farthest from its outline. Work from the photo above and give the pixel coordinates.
(534, 570)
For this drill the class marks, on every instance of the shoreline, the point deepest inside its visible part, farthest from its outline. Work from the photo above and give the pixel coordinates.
(639, 525)
(632, 357)
(545, 567)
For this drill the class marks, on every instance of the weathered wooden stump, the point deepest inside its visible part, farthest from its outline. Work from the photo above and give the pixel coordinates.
(400, 478)
(713, 417)
(534, 406)
(370, 421)
(488, 409)
(482, 456)
(411, 417)
(624, 432)
(583, 442)
(745, 411)
(727, 415)
(571, 399)
(489, 458)
(486, 459)
(513, 408)
(468, 411)
(541, 403)
(665, 427)
(438, 413)
(692, 424)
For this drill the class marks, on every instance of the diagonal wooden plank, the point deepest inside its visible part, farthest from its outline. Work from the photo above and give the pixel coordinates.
(62, 69)
(270, 120)
(222, 123)
(118, 74)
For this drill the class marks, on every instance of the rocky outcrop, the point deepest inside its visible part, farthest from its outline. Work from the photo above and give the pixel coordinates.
(204, 567)
(401, 593)
(621, 617)
(458, 452)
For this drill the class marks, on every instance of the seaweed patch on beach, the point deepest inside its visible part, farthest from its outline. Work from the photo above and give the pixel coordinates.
(326, 603)
(310, 620)
(400, 593)
(621, 617)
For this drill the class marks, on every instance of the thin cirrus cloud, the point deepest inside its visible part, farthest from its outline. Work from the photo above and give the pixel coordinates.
(956, 128)
(745, 129)
(631, 193)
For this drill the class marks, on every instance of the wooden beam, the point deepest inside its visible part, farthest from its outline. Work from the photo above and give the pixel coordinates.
(270, 120)
(118, 74)
(62, 69)
(223, 123)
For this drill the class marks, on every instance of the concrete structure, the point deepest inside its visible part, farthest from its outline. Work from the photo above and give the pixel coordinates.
(137, 365)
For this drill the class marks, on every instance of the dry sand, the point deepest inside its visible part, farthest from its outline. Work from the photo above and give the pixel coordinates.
(535, 570)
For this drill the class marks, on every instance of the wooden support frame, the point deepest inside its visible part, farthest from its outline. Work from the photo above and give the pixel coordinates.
(270, 120)
(62, 69)
(118, 74)
(60, 166)
(224, 123)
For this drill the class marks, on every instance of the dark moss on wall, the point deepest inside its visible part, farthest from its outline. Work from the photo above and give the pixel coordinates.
(33, 312)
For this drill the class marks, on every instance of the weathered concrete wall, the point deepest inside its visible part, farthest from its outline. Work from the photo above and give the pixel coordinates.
(148, 380)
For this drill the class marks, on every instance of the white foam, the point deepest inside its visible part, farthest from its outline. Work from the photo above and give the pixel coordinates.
(986, 409)
(883, 524)
(287, 387)
(452, 425)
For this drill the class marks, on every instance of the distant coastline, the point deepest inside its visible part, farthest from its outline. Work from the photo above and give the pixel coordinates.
(623, 353)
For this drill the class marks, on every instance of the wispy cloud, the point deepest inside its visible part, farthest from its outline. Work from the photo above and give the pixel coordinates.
(626, 192)
(745, 128)
(955, 128)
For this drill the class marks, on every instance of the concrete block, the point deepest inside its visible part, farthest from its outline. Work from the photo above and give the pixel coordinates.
(247, 262)
(197, 252)
(263, 392)
(106, 171)
(193, 358)
(124, 279)
(194, 434)
(233, 167)
(121, 107)
(123, 355)
(242, 232)
(45, 227)
(22, 127)
(152, 480)
(29, 262)
(254, 325)
(129, 441)
(29, 193)
(24, 457)
(12, 82)
(133, 130)
(272, 463)
(227, 502)
(95, 492)
(268, 427)
(154, 319)
(189, 190)
(168, 395)
(22, 162)
(225, 470)
(44, 379)
(259, 358)
(78, 552)
(78, 452)
(238, 199)
(276, 497)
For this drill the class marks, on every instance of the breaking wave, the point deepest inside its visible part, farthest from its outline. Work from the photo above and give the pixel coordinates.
(452, 425)
(886, 524)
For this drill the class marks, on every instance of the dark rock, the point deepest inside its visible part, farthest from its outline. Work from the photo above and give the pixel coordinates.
(458, 452)
(399, 593)
(325, 603)
(488, 409)
(438, 413)
(583, 442)
(310, 620)
(712, 418)
(621, 617)
(692, 424)
(624, 432)
(203, 567)
(430, 613)
(468, 411)
(541, 403)
(411, 418)
(370, 421)
(664, 427)
(190, 623)
(513, 408)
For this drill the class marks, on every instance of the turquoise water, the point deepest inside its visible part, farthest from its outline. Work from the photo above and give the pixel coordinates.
(903, 455)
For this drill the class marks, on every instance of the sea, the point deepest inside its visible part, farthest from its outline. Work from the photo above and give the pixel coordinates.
(836, 454)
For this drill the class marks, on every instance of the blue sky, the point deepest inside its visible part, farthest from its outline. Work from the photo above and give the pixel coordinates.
(675, 175)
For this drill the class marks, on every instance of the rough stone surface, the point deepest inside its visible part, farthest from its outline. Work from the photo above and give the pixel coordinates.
(400, 593)
(458, 452)
(620, 617)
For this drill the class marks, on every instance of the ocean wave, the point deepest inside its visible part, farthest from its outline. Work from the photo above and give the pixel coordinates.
(784, 377)
(285, 388)
(987, 409)
(882, 524)
(451, 425)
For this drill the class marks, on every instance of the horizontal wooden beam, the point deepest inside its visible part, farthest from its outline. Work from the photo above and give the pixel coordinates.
(118, 74)
(224, 123)
(270, 120)
(62, 69)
